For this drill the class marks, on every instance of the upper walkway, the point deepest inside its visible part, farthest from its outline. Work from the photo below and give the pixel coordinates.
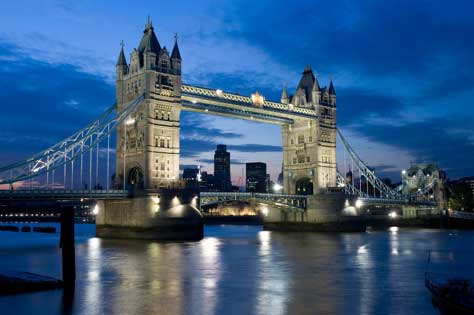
(256, 108)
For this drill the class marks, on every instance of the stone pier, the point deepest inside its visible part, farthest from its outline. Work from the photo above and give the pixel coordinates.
(153, 215)
(326, 212)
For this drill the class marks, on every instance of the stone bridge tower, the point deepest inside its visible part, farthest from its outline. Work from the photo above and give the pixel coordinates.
(309, 145)
(148, 143)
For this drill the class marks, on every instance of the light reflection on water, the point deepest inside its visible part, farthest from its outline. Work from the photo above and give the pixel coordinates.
(234, 270)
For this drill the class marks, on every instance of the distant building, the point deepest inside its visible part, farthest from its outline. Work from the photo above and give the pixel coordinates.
(190, 174)
(222, 168)
(208, 182)
(469, 181)
(256, 177)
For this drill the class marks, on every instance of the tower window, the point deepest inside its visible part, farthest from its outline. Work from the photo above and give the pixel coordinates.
(162, 143)
(168, 143)
(300, 139)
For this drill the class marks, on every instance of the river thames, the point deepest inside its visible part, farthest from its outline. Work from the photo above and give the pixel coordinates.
(233, 270)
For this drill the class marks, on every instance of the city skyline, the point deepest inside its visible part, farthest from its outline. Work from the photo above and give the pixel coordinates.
(425, 118)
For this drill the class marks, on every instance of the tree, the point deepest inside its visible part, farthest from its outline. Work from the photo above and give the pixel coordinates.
(461, 197)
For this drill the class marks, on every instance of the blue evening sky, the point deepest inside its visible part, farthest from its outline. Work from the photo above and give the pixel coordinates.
(403, 72)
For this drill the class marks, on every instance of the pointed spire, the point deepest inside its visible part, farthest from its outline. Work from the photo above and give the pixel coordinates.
(284, 94)
(316, 87)
(175, 53)
(149, 24)
(121, 59)
(332, 91)
(149, 41)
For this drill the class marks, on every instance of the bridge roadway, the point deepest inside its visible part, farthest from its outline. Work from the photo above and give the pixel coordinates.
(62, 194)
(292, 202)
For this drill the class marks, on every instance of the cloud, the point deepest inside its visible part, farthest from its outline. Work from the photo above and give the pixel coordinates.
(401, 70)
(255, 148)
(184, 166)
(211, 161)
(430, 141)
(43, 103)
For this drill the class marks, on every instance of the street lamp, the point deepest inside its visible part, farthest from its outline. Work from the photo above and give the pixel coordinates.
(277, 188)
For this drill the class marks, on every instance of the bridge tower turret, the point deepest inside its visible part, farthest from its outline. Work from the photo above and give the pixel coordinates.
(309, 145)
(148, 142)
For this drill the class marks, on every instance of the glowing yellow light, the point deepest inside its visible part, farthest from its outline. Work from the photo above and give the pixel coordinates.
(393, 229)
(264, 210)
(404, 172)
(155, 199)
(359, 203)
(175, 201)
(257, 99)
(392, 215)
(95, 211)
(277, 187)
(130, 121)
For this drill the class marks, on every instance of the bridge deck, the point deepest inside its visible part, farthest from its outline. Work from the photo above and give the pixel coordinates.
(53, 194)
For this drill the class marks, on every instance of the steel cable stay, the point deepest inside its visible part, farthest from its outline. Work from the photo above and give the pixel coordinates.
(367, 173)
(56, 147)
(364, 171)
(70, 148)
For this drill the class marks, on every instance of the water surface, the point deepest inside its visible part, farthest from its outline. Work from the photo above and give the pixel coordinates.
(234, 270)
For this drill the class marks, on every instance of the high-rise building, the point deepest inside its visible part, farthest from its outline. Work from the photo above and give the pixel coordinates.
(222, 168)
(256, 177)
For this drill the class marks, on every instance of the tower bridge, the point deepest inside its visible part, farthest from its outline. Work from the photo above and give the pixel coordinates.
(147, 199)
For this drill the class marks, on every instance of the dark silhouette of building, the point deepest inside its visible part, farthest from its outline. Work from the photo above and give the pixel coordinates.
(190, 174)
(256, 177)
(208, 182)
(222, 168)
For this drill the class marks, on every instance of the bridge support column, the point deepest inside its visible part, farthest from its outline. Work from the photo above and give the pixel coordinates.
(159, 215)
(67, 245)
(333, 212)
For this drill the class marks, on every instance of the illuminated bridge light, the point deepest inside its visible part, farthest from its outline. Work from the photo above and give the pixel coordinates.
(257, 99)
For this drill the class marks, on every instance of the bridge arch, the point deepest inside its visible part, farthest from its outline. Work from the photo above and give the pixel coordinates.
(135, 177)
(304, 186)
